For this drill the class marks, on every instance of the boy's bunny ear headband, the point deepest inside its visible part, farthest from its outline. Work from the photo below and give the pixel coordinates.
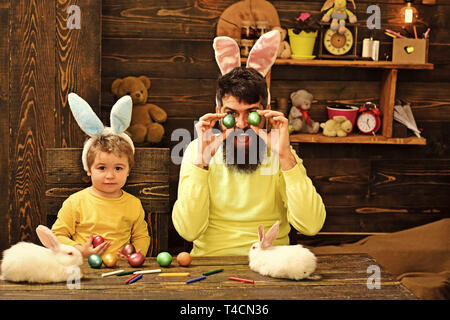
(93, 127)
(261, 57)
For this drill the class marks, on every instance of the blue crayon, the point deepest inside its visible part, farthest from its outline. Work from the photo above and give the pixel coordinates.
(135, 279)
(196, 279)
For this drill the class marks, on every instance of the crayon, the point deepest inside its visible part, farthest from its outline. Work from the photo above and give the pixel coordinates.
(147, 271)
(212, 272)
(415, 32)
(131, 278)
(174, 274)
(111, 273)
(242, 280)
(425, 35)
(126, 273)
(196, 279)
(136, 278)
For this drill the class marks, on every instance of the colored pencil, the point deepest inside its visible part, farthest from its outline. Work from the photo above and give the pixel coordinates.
(139, 276)
(147, 271)
(174, 274)
(131, 278)
(390, 35)
(395, 33)
(107, 274)
(196, 279)
(126, 273)
(212, 272)
(415, 32)
(425, 35)
(242, 280)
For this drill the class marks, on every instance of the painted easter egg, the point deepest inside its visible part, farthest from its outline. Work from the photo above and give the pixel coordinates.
(98, 240)
(228, 121)
(136, 259)
(128, 249)
(109, 260)
(254, 118)
(164, 259)
(95, 261)
(184, 259)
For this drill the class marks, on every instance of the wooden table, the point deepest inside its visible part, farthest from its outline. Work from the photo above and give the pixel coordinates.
(343, 277)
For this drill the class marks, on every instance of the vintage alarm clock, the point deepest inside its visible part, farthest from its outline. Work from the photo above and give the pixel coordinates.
(336, 43)
(368, 120)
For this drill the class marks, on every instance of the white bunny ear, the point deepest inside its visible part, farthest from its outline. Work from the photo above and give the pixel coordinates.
(85, 116)
(121, 114)
(228, 55)
(47, 238)
(264, 52)
(271, 235)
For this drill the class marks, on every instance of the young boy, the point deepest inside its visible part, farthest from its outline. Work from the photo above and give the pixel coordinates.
(104, 208)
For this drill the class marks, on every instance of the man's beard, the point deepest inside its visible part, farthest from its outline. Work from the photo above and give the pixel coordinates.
(244, 159)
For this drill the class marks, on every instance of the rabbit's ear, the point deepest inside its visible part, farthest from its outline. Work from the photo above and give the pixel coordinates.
(327, 5)
(261, 233)
(354, 5)
(121, 114)
(264, 52)
(227, 54)
(85, 116)
(47, 238)
(271, 235)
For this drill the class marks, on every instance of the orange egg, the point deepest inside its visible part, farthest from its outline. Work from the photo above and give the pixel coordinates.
(184, 259)
(109, 260)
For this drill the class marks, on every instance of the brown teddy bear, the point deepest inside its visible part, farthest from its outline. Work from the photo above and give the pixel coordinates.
(146, 118)
(299, 117)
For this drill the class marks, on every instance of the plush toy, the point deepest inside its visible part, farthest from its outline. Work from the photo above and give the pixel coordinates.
(146, 118)
(339, 126)
(299, 117)
(339, 13)
(284, 50)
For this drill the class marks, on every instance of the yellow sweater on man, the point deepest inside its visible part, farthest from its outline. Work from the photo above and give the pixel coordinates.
(220, 210)
(118, 220)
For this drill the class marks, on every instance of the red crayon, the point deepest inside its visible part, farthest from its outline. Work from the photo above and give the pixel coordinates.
(242, 280)
(129, 279)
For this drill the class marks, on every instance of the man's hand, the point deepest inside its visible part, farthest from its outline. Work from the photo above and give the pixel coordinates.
(87, 249)
(278, 138)
(208, 143)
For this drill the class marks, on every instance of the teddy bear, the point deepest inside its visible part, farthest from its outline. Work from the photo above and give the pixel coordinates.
(339, 126)
(146, 118)
(339, 13)
(299, 117)
(284, 50)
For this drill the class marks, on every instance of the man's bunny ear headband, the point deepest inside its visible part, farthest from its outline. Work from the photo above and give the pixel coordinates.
(93, 127)
(261, 57)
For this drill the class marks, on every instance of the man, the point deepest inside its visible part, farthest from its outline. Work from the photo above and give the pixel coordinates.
(244, 176)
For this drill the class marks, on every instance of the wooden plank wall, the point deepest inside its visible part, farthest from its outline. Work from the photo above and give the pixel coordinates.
(366, 188)
(41, 60)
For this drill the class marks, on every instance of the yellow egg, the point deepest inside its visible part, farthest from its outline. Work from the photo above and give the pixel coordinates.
(109, 260)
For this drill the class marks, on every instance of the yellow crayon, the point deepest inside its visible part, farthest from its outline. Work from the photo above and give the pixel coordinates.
(390, 35)
(174, 274)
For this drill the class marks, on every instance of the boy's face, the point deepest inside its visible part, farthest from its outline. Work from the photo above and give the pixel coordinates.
(109, 174)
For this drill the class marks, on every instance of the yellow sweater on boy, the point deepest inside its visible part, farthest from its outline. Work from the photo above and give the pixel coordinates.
(220, 210)
(118, 220)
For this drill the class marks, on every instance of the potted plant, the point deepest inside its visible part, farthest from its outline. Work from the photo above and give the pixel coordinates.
(302, 36)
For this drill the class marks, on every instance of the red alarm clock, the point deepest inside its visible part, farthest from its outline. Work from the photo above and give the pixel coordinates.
(368, 121)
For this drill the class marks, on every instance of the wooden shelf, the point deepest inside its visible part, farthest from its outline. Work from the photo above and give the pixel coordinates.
(356, 138)
(351, 64)
(354, 64)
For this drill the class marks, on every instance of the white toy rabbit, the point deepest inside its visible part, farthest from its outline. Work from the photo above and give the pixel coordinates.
(29, 262)
(288, 261)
